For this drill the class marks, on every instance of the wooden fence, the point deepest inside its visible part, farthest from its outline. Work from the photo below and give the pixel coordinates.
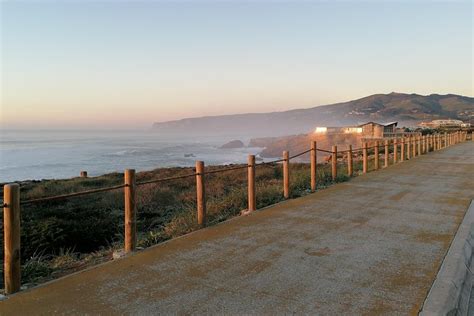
(410, 147)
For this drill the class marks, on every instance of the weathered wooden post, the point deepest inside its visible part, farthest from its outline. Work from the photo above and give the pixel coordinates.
(402, 150)
(334, 163)
(11, 228)
(286, 174)
(419, 145)
(349, 162)
(414, 147)
(376, 155)
(130, 210)
(252, 201)
(395, 150)
(364, 158)
(386, 154)
(445, 140)
(83, 174)
(422, 144)
(408, 147)
(314, 163)
(201, 194)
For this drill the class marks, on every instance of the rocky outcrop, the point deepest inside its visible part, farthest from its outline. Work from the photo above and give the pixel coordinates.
(233, 144)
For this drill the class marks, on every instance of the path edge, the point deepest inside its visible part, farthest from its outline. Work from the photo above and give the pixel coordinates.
(451, 290)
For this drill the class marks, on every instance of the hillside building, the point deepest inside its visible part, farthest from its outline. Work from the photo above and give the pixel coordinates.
(366, 130)
(449, 123)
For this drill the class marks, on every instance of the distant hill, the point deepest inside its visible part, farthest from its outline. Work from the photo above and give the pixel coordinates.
(408, 109)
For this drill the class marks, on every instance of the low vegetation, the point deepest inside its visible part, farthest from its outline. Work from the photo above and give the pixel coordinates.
(60, 237)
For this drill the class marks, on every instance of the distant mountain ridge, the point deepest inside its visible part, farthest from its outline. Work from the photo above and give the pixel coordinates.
(408, 109)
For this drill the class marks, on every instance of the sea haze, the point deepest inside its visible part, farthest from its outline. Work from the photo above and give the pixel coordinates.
(55, 154)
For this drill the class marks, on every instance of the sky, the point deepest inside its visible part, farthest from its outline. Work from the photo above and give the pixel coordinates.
(127, 64)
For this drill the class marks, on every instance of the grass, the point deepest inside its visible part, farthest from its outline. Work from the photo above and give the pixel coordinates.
(60, 237)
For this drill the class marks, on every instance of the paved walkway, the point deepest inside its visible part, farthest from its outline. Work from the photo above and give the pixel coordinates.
(372, 245)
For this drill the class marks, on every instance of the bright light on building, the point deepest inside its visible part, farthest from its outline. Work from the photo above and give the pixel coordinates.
(353, 130)
(321, 130)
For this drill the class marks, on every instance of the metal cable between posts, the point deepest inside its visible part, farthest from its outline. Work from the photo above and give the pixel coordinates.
(65, 196)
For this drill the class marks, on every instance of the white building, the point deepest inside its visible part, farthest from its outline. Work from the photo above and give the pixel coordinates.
(448, 123)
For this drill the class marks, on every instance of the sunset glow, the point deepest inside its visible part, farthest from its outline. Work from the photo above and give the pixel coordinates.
(77, 64)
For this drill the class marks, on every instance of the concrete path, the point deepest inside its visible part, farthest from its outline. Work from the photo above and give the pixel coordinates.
(372, 245)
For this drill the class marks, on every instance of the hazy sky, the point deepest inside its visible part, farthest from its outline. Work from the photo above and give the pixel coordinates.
(128, 64)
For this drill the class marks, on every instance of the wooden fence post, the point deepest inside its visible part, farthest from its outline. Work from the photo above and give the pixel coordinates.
(334, 163)
(402, 150)
(364, 158)
(419, 145)
(376, 153)
(408, 147)
(286, 174)
(83, 174)
(376, 157)
(11, 228)
(395, 150)
(422, 144)
(252, 201)
(386, 154)
(314, 163)
(349, 162)
(201, 194)
(130, 211)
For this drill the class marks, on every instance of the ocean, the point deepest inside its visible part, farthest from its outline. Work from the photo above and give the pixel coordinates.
(59, 154)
